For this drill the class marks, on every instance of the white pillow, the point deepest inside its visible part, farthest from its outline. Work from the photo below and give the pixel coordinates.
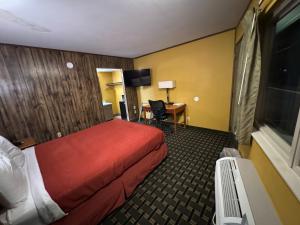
(13, 185)
(13, 152)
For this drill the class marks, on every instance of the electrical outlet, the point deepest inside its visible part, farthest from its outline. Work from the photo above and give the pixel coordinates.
(59, 134)
(188, 118)
(134, 107)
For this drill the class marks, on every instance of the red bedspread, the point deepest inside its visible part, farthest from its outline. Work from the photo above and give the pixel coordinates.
(78, 165)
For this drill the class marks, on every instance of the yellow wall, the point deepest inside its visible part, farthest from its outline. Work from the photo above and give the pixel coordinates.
(117, 77)
(108, 93)
(201, 68)
(285, 202)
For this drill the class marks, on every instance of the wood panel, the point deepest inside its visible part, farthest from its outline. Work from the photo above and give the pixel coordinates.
(132, 102)
(40, 96)
(39, 114)
(14, 96)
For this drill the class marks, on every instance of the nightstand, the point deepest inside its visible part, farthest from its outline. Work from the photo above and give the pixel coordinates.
(26, 143)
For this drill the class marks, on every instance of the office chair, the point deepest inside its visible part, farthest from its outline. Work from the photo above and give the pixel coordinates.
(159, 111)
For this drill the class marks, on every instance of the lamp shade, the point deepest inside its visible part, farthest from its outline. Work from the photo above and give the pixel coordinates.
(167, 84)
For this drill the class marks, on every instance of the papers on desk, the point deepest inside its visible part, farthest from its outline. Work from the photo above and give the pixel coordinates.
(178, 104)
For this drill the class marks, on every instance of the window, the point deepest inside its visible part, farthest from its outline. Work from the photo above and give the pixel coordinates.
(280, 89)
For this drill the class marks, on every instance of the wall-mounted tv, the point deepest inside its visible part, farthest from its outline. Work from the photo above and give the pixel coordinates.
(137, 78)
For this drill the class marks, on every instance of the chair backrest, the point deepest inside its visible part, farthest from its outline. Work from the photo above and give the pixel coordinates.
(158, 108)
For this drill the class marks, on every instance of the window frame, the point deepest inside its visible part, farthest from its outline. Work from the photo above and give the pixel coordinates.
(290, 153)
(283, 148)
(294, 160)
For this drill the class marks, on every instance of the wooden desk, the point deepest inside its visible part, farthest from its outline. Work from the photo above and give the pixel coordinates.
(171, 109)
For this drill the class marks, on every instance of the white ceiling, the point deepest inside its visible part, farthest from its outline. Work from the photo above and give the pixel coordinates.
(126, 28)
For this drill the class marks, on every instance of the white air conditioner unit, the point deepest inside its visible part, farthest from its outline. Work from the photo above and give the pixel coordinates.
(240, 195)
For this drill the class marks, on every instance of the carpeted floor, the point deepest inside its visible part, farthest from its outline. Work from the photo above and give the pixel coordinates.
(181, 189)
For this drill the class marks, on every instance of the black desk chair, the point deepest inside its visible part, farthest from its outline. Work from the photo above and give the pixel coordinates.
(159, 111)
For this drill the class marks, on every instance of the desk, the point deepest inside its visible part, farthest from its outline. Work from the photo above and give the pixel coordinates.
(171, 109)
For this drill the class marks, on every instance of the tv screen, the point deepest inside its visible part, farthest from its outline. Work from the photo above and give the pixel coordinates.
(136, 78)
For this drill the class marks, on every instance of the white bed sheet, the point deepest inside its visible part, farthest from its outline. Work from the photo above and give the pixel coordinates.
(38, 208)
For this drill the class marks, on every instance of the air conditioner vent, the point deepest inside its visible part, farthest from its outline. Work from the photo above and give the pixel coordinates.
(230, 196)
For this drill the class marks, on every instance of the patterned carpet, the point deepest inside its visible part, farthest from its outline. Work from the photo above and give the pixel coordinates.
(181, 189)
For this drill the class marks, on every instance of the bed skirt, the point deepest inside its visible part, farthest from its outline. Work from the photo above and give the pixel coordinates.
(113, 195)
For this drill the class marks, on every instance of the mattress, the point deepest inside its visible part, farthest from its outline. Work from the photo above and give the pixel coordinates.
(113, 195)
(76, 166)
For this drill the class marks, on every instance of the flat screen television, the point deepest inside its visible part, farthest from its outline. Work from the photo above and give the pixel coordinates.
(137, 78)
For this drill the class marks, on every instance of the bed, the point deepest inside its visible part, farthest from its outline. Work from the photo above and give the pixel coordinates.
(86, 175)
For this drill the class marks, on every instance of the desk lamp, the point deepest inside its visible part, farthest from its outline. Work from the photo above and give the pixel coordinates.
(168, 84)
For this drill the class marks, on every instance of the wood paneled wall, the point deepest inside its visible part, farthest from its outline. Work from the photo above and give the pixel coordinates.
(132, 102)
(40, 96)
